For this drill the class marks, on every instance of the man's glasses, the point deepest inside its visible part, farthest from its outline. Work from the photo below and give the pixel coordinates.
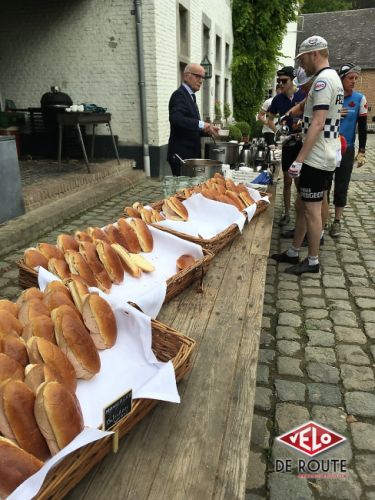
(282, 81)
(197, 75)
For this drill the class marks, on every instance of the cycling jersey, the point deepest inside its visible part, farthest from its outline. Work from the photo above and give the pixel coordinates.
(356, 104)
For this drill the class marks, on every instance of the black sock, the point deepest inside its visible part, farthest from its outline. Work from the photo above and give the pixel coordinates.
(337, 220)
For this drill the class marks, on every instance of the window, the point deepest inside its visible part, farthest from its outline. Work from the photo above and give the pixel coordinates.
(227, 56)
(183, 17)
(218, 53)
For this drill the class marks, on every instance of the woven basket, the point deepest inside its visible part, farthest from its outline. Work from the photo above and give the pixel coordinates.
(167, 344)
(28, 277)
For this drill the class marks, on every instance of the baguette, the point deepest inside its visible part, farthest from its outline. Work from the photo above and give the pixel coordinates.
(59, 268)
(66, 242)
(97, 234)
(50, 251)
(33, 258)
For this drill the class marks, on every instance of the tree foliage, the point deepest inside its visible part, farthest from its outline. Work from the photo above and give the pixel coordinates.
(324, 6)
(258, 27)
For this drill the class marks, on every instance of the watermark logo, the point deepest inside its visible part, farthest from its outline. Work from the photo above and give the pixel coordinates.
(311, 438)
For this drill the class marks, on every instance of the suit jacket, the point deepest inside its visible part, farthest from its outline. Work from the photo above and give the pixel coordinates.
(185, 133)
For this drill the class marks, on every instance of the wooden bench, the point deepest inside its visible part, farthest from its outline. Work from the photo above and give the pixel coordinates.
(200, 448)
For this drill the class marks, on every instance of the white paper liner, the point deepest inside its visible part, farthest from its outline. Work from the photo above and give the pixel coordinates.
(148, 291)
(29, 488)
(256, 196)
(207, 218)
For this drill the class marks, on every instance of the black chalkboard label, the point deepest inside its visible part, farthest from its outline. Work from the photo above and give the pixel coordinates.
(117, 410)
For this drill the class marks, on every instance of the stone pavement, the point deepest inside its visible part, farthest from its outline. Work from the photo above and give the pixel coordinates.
(317, 356)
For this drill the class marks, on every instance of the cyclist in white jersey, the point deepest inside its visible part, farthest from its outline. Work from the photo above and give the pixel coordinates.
(319, 155)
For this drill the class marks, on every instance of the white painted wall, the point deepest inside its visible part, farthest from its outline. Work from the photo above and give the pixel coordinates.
(288, 47)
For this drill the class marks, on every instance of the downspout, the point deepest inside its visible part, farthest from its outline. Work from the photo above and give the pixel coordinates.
(142, 85)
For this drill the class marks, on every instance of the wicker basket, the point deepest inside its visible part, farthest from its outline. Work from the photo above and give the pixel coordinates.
(28, 277)
(167, 344)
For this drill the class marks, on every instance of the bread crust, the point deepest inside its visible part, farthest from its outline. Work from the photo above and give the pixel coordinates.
(66, 242)
(127, 262)
(143, 234)
(9, 306)
(30, 293)
(40, 326)
(99, 319)
(178, 207)
(110, 261)
(89, 253)
(9, 323)
(234, 196)
(132, 212)
(32, 309)
(185, 261)
(82, 236)
(78, 290)
(79, 266)
(132, 243)
(115, 235)
(97, 234)
(14, 346)
(59, 268)
(33, 258)
(10, 368)
(38, 373)
(50, 251)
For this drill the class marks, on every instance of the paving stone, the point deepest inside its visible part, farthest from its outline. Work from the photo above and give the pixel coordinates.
(324, 394)
(306, 292)
(365, 465)
(354, 270)
(288, 305)
(333, 281)
(263, 374)
(269, 298)
(360, 403)
(333, 418)
(370, 330)
(368, 316)
(346, 488)
(260, 435)
(372, 349)
(256, 471)
(332, 269)
(315, 302)
(349, 335)
(336, 293)
(289, 366)
(266, 356)
(365, 303)
(357, 378)
(10, 292)
(288, 416)
(320, 372)
(343, 318)
(290, 391)
(288, 285)
(263, 398)
(318, 338)
(269, 310)
(287, 277)
(289, 319)
(316, 313)
(320, 355)
(288, 347)
(308, 282)
(356, 281)
(288, 486)
(318, 324)
(343, 305)
(288, 294)
(363, 436)
(341, 452)
(352, 354)
(266, 322)
(266, 339)
(362, 291)
(286, 332)
(12, 274)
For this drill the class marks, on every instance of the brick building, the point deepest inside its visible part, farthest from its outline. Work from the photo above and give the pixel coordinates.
(89, 49)
(351, 38)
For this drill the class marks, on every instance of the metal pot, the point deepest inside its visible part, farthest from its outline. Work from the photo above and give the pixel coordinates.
(226, 152)
(195, 167)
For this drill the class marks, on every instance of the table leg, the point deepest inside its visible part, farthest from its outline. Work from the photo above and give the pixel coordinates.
(93, 141)
(83, 148)
(114, 142)
(60, 145)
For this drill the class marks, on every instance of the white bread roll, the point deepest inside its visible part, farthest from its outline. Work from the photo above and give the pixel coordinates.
(97, 234)
(67, 242)
(50, 251)
(11, 307)
(56, 285)
(41, 326)
(110, 261)
(78, 290)
(10, 368)
(129, 265)
(58, 415)
(143, 234)
(37, 374)
(178, 207)
(59, 268)
(14, 346)
(33, 258)
(30, 293)
(132, 243)
(16, 465)
(89, 253)
(78, 265)
(55, 298)
(32, 309)
(9, 324)
(99, 319)
(185, 261)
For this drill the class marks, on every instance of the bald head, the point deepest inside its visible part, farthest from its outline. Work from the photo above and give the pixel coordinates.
(193, 76)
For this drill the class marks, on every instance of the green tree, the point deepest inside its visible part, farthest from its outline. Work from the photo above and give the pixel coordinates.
(258, 27)
(325, 6)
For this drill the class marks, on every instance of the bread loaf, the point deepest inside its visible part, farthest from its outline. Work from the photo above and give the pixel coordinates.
(235, 197)
(59, 268)
(110, 261)
(99, 319)
(11, 307)
(82, 236)
(58, 415)
(246, 198)
(32, 309)
(66, 242)
(42, 351)
(56, 285)
(16, 465)
(178, 207)
(169, 213)
(129, 265)
(37, 374)
(10, 368)
(185, 261)
(14, 346)
(41, 326)
(89, 253)
(97, 234)
(142, 263)
(146, 215)
(143, 234)
(115, 235)
(132, 212)
(55, 298)
(17, 421)
(76, 343)
(9, 323)
(79, 266)
(50, 251)
(30, 293)
(33, 258)
(132, 244)
(78, 290)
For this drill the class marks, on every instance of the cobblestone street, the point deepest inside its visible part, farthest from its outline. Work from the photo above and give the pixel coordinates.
(317, 349)
(317, 355)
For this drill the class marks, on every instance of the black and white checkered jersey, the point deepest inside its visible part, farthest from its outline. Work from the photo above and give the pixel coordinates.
(327, 94)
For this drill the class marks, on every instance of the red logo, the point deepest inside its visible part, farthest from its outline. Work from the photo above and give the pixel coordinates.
(352, 104)
(311, 438)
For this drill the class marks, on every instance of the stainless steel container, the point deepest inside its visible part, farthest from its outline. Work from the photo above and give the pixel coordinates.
(226, 152)
(196, 167)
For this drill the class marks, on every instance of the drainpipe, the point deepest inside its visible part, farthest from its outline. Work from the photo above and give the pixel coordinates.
(141, 83)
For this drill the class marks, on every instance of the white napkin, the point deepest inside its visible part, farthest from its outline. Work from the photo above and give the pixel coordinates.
(207, 218)
(256, 196)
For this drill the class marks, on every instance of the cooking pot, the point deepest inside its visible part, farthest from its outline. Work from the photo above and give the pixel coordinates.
(226, 152)
(194, 167)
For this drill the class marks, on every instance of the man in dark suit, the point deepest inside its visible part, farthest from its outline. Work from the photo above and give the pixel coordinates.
(186, 124)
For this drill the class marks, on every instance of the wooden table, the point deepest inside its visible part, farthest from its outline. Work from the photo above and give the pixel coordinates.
(76, 120)
(200, 448)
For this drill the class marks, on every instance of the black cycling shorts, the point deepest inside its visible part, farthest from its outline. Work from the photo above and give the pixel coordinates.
(313, 182)
(289, 154)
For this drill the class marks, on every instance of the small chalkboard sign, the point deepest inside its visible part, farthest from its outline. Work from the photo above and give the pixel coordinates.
(117, 410)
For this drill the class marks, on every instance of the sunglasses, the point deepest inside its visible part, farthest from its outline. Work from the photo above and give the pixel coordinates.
(282, 80)
(202, 77)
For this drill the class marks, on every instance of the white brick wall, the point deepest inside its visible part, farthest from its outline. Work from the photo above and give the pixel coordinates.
(88, 48)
